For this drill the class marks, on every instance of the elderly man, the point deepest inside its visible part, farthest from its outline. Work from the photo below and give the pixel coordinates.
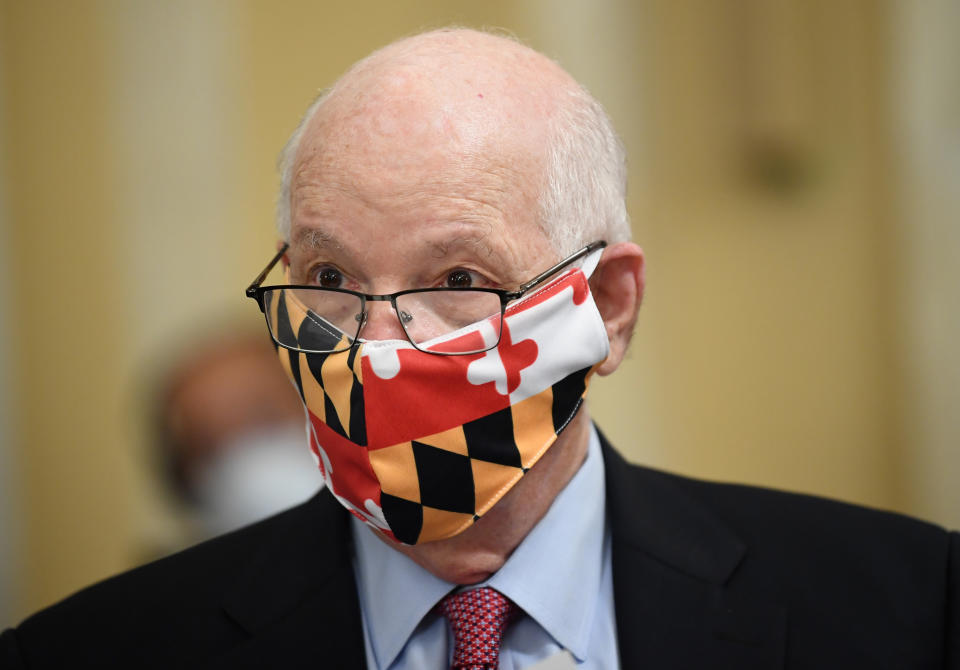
(456, 266)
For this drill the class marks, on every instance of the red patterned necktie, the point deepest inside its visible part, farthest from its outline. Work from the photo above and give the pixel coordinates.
(478, 619)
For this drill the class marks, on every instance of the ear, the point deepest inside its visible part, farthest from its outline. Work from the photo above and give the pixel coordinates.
(617, 286)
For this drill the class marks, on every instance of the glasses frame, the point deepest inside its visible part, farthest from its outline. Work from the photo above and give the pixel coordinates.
(256, 292)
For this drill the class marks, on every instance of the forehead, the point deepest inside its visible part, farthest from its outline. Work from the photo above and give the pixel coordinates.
(407, 127)
(394, 160)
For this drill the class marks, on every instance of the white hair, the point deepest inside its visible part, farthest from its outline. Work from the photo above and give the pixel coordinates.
(583, 195)
(585, 189)
(285, 164)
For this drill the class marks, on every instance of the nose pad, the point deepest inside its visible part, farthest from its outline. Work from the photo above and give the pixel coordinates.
(380, 322)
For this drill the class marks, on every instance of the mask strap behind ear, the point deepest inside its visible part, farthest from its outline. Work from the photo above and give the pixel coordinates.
(590, 262)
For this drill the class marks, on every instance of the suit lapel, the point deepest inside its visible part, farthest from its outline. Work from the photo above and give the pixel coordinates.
(672, 564)
(297, 599)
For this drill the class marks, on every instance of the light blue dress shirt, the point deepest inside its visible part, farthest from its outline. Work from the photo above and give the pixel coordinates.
(560, 576)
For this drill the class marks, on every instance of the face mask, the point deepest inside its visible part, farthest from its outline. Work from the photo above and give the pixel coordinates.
(419, 445)
(254, 476)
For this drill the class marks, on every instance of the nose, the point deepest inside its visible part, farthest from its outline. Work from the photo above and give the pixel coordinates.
(381, 322)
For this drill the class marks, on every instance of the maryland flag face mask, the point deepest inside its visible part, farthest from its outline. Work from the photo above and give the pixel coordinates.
(421, 445)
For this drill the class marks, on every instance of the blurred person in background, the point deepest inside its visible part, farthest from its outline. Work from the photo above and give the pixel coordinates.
(229, 433)
(455, 264)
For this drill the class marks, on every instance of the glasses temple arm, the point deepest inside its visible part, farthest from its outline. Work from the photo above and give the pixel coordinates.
(255, 284)
(523, 288)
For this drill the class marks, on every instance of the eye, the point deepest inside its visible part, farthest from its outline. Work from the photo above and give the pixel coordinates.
(328, 277)
(459, 279)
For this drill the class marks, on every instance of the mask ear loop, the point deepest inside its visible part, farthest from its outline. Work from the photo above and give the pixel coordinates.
(590, 262)
(586, 265)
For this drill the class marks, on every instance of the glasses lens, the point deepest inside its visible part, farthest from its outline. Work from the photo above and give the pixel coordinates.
(433, 319)
(313, 320)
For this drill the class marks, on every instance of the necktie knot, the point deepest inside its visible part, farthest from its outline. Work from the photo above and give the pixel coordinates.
(478, 619)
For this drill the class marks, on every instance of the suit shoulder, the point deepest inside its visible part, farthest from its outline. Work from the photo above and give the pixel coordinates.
(197, 570)
(847, 586)
(798, 539)
(152, 613)
(767, 509)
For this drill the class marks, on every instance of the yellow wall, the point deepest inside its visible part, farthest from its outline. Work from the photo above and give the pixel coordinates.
(140, 141)
(73, 458)
(762, 344)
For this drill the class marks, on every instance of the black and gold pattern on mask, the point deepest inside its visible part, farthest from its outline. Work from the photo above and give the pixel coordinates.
(319, 378)
(492, 452)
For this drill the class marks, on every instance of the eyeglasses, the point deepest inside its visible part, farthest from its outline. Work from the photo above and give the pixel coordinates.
(320, 320)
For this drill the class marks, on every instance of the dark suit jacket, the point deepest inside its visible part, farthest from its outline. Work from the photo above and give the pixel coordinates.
(705, 576)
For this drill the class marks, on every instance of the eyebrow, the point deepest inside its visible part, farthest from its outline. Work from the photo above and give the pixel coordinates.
(467, 237)
(314, 239)
(474, 241)
(478, 242)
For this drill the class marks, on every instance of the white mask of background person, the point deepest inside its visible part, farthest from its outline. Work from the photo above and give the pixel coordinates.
(228, 432)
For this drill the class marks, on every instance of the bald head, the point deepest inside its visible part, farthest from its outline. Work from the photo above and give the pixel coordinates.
(461, 100)
(475, 73)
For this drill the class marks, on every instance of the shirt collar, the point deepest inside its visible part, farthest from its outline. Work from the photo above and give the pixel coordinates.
(395, 593)
(560, 594)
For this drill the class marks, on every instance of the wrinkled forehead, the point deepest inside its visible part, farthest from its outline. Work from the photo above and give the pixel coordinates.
(403, 120)
(423, 138)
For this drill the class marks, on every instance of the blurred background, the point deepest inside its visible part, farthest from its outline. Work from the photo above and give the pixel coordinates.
(795, 181)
